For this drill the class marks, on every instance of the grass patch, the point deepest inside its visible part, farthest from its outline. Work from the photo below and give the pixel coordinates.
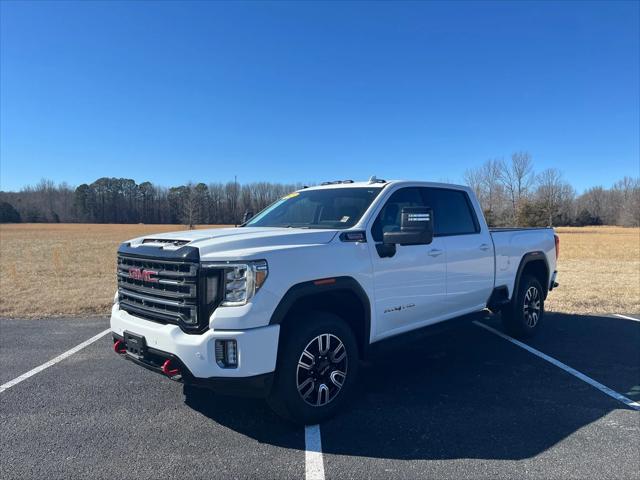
(62, 269)
(598, 270)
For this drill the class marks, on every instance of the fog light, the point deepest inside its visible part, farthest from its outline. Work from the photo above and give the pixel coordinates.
(227, 353)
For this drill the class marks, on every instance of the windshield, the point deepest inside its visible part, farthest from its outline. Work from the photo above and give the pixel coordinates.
(334, 208)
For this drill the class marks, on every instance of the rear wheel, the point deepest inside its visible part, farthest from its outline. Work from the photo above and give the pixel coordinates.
(317, 369)
(523, 315)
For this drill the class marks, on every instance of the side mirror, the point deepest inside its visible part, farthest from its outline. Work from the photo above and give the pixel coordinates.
(416, 228)
(248, 215)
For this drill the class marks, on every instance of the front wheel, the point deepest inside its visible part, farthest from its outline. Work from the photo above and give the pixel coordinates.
(523, 315)
(317, 368)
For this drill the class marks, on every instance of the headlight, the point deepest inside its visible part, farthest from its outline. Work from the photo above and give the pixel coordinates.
(241, 281)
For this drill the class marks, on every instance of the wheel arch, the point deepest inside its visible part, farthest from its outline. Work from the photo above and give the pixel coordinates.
(533, 263)
(341, 296)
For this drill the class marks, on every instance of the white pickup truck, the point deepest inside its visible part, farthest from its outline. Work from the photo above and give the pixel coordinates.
(286, 305)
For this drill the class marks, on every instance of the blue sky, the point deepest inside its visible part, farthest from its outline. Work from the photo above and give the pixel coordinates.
(177, 91)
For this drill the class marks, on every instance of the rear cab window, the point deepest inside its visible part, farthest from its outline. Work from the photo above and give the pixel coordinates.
(453, 212)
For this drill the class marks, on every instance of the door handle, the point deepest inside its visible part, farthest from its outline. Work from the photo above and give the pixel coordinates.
(434, 252)
(484, 247)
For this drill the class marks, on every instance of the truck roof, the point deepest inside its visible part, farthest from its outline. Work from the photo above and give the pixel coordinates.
(381, 184)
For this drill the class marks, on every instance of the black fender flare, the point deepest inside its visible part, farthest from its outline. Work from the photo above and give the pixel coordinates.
(322, 286)
(527, 258)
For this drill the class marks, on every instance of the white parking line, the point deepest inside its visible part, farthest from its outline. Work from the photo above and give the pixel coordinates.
(314, 465)
(566, 368)
(628, 318)
(53, 361)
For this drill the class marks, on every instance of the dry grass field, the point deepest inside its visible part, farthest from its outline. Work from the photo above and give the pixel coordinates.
(62, 269)
(69, 269)
(598, 270)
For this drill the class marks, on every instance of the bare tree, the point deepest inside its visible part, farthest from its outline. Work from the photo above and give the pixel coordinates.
(516, 179)
(490, 175)
(189, 208)
(473, 179)
(485, 182)
(594, 205)
(200, 193)
(553, 194)
(628, 190)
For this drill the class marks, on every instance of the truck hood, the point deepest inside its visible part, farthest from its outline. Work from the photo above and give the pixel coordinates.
(218, 240)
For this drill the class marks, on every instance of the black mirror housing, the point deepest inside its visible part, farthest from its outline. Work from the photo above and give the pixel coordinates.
(416, 227)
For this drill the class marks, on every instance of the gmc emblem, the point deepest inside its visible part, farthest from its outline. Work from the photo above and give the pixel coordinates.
(143, 275)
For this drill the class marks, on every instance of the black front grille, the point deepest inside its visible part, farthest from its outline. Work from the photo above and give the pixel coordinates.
(168, 286)
(158, 289)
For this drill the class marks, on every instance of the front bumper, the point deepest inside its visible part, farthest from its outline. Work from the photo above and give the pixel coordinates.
(257, 348)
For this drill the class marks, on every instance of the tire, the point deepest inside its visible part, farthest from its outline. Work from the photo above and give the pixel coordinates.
(524, 314)
(312, 381)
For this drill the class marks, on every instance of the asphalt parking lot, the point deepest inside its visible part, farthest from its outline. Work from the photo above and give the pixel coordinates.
(465, 403)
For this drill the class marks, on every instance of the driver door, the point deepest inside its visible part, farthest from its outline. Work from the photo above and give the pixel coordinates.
(410, 286)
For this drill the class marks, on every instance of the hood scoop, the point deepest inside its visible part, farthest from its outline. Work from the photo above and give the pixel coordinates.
(167, 243)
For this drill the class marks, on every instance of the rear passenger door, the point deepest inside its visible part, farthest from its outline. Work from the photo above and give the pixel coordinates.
(470, 257)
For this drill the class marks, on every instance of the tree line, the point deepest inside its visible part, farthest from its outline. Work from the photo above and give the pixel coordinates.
(510, 191)
(122, 200)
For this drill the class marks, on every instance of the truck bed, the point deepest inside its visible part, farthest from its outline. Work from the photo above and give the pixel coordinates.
(511, 244)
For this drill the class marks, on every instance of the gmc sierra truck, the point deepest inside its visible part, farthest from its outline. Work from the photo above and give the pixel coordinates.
(286, 305)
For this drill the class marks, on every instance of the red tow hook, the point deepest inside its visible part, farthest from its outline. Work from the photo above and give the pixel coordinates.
(168, 371)
(119, 347)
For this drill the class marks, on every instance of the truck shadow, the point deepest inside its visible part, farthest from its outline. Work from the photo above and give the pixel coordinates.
(464, 393)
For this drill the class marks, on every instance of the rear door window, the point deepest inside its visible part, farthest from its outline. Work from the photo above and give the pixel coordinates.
(452, 211)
